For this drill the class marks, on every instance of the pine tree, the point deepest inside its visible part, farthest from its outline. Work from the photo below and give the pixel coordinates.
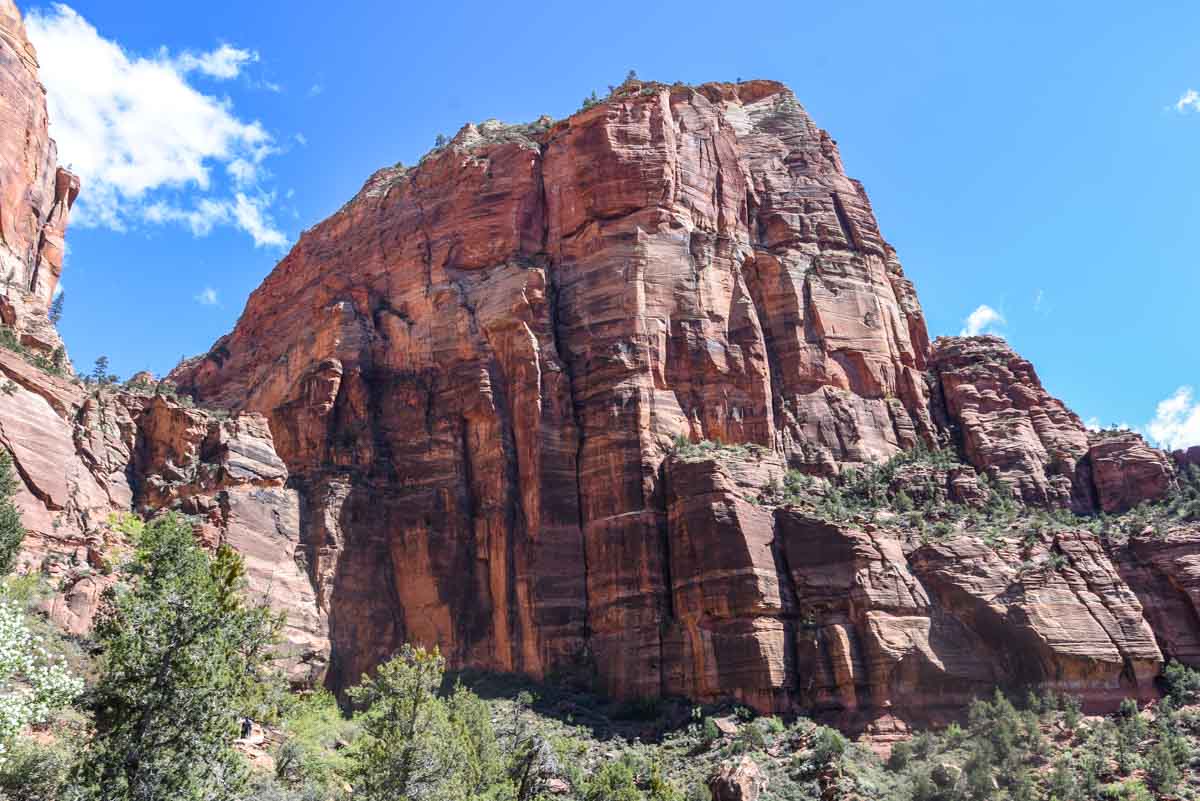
(182, 654)
(100, 370)
(401, 752)
(56, 307)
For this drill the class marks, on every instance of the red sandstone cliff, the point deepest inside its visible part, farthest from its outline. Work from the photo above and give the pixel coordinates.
(476, 372)
(457, 403)
(35, 193)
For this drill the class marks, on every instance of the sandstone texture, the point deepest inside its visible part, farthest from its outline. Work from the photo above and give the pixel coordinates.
(85, 455)
(539, 400)
(36, 194)
(742, 780)
(478, 372)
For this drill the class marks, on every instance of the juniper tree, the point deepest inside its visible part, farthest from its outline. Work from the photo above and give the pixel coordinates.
(181, 653)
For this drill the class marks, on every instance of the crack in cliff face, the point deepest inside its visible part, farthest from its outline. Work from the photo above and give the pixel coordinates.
(564, 356)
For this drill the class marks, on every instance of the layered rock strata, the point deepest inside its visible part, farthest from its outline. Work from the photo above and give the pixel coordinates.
(477, 372)
(36, 194)
(457, 409)
(85, 456)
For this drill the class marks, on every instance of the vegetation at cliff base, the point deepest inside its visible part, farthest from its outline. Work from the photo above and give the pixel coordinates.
(181, 654)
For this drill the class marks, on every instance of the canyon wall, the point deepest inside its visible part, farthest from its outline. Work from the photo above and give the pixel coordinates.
(36, 194)
(479, 371)
(476, 407)
(86, 455)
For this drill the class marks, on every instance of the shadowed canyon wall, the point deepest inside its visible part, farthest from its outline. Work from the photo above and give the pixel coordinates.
(458, 405)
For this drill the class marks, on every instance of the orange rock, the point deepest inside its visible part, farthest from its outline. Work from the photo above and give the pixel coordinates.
(35, 194)
(491, 352)
(1127, 471)
(1009, 426)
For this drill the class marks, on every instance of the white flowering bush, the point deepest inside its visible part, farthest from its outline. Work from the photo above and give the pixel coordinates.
(32, 686)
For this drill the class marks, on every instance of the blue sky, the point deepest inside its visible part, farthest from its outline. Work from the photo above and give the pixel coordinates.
(1038, 159)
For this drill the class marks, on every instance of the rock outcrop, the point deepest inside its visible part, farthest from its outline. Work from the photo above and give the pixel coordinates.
(1126, 471)
(36, 194)
(494, 350)
(464, 412)
(741, 780)
(85, 455)
(479, 370)
(1009, 426)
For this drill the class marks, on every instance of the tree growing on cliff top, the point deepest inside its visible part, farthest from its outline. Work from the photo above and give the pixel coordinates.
(56, 308)
(182, 653)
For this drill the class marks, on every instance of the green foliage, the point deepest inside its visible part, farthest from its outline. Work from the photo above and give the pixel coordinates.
(712, 449)
(56, 308)
(54, 365)
(828, 746)
(401, 752)
(1182, 682)
(182, 653)
(100, 371)
(12, 532)
(312, 755)
(709, 733)
(415, 744)
(33, 772)
(614, 781)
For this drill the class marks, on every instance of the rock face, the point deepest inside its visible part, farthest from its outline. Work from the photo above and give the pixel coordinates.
(477, 369)
(482, 362)
(35, 194)
(85, 455)
(1009, 426)
(1127, 471)
(457, 415)
(738, 781)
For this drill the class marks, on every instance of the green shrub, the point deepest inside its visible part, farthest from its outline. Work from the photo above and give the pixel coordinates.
(1182, 682)
(614, 781)
(828, 746)
(12, 532)
(31, 771)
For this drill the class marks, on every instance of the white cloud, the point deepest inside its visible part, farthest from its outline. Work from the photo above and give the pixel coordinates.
(200, 219)
(984, 319)
(1189, 99)
(251, 215)
(137, 132)
(243, 172)
(223, 63)
(301, 139)
(315, 90)
(1176, 422)
(1038, 299)
(207, 297)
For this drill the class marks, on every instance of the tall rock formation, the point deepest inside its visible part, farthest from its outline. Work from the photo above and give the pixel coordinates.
(36, 194)
(477, 407)
(476, 368)
(479, 372)
(84, 453)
